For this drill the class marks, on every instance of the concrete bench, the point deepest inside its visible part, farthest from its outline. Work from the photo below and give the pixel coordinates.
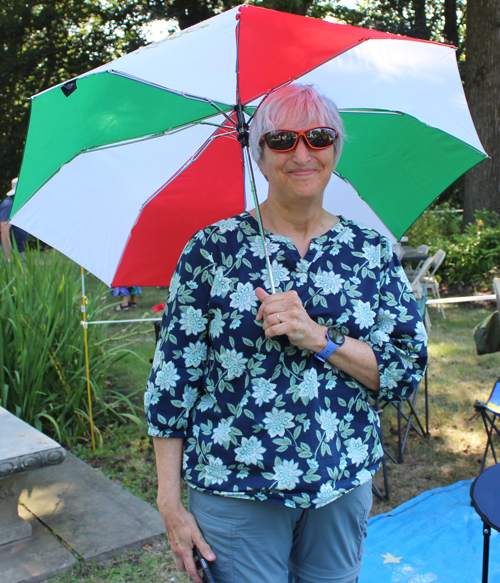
(22, 450)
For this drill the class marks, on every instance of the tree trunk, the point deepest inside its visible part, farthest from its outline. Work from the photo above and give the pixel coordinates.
(420, 29)
(450, 31)
(482, 84)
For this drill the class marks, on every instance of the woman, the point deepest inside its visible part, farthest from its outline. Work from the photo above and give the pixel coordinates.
(262, 401)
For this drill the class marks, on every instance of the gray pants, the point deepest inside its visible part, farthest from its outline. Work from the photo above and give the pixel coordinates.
(262, 542)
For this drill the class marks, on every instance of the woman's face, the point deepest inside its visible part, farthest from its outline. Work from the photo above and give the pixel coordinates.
(302, 173)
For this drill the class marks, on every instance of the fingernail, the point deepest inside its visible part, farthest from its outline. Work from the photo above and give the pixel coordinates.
(210, 556)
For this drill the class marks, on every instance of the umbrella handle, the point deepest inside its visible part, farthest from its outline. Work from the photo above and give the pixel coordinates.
(259, 219)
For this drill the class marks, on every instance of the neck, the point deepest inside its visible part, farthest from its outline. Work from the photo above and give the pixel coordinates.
(301, 225)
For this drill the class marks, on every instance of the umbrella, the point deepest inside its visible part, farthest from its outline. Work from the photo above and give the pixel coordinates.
(125, 163)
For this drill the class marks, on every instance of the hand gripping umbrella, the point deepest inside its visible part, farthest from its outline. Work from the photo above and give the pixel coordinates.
(125, 163)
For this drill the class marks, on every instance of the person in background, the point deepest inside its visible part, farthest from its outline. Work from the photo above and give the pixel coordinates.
(11, 233)
(262, 402)
(125, 293)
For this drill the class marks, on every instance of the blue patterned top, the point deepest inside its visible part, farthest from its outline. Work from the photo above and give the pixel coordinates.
(261, 418)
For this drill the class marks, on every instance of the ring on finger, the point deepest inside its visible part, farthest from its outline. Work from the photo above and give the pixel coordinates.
(278, 318)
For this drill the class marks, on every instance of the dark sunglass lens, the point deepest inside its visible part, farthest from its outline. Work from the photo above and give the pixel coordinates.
(281, 140)
(321, 137)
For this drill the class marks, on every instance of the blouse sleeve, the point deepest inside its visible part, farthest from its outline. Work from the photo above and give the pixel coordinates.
(181, 352)
(398, 338)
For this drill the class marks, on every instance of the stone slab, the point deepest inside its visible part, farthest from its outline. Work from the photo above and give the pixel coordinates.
(20, 439)
(35, 559)
(95, 516)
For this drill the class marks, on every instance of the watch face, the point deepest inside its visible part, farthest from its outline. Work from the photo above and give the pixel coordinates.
(336, 336)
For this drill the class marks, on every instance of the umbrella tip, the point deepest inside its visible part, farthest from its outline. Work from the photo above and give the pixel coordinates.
(68, 88)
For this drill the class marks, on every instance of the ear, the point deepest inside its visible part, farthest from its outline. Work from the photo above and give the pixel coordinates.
(262, 167)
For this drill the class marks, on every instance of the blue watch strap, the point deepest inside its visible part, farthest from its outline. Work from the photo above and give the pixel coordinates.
(329, 349)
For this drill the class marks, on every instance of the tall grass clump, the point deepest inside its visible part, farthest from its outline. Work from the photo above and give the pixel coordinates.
(42, 354)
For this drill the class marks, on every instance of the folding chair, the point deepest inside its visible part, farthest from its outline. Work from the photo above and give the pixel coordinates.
(430, 281)
(412, 271)
(411, 419)
(418, 286)
(490, 413)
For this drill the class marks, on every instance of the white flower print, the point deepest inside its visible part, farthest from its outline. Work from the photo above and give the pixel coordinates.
(207, 402)
(217, 324)
(329, 423)
(227, 225)
(157, 358)
(189, 398)
(222, 432)
(175, 284)
(221, 284)
(407, 360)
(287, 474)
(167, 377)
(234, 363)
(346, 235)
(329, 282)
(263, 391)
(215, 472)
(364, 315)
(195, 353)
(326, 495)
(192, 321)
(280, 275)
(363, 476)
(301, 272)
(390, 377)
(278, 421)
(308, 388)
(257, 247)
(244, 297)
(357, 451)
(386, 321)
(372, 254)
(152, 394)
(421, 335)
(250, 451)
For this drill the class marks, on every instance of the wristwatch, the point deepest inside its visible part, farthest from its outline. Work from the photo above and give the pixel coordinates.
(335, 338)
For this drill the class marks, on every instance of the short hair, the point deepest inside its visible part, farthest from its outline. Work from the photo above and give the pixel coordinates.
(298, 105)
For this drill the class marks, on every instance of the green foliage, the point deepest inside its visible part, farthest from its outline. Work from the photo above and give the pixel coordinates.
(438, 223)
(42, 350)
(472, 256)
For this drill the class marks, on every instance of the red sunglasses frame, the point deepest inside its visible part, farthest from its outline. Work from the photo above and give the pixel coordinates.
(299, 134)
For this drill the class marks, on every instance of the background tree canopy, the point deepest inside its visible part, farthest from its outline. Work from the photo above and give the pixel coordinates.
(46, 42)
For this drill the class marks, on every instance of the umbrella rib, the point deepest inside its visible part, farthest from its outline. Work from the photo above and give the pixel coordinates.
(184, 167)
(168, 89)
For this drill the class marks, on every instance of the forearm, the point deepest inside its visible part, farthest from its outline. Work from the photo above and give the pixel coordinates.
(168, 453)
(355, 357)
(6, 239)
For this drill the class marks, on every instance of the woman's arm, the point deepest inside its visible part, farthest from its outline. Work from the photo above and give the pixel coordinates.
(355, 357)
(182, 530)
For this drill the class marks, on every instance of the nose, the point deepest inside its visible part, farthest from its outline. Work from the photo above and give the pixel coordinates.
(302, 152)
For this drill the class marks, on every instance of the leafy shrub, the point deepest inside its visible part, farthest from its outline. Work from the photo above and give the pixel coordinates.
(42, 355)
(472, 257)
(438, 223)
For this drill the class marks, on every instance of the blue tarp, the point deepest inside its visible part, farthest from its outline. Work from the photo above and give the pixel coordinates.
(437, 536)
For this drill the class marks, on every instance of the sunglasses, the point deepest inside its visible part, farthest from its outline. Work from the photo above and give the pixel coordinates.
(286, 140)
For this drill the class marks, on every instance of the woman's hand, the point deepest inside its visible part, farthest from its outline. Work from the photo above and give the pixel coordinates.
(182, 529)
(183, 533)
(283, 313)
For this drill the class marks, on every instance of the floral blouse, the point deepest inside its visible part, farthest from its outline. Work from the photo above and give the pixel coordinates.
(261, 418)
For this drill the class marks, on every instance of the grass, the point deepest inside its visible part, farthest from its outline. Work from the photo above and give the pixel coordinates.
(457, 377)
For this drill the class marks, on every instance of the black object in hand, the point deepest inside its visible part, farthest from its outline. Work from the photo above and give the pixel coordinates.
(202, 565)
